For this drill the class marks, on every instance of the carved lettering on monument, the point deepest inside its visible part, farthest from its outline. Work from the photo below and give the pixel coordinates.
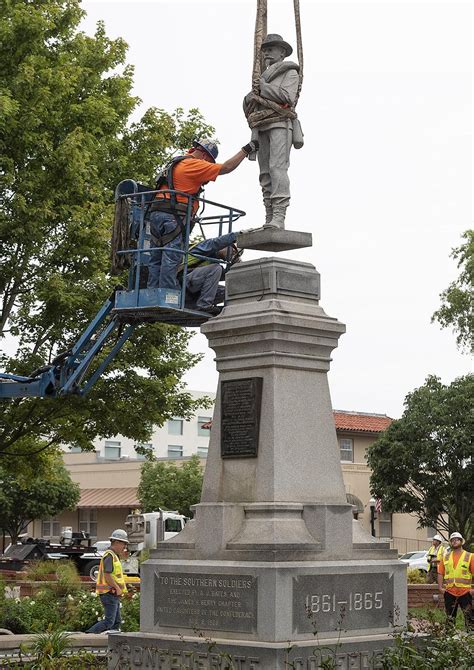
(335, 602)
(206, 601)
(160, 655)
(240, 417)
(355, 660)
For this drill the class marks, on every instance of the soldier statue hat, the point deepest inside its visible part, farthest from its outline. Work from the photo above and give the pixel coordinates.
(273, 39)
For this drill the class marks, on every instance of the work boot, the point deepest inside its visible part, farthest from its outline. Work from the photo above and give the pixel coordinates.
(213, 310)
(278, 219)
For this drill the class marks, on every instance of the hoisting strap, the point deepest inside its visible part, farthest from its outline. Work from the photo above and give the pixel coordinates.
(272, 111)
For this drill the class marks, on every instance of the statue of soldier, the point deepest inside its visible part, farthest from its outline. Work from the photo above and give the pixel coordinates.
(273, 121)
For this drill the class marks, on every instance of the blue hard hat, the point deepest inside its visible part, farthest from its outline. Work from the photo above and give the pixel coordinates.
(209, 147)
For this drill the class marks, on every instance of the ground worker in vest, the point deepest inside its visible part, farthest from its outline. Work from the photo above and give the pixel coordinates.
(203, 276)
(111, 585)
(167, 213)
(455, 577)
(435, 554)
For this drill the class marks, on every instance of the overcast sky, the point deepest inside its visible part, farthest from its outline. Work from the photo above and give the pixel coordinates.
(383, 182)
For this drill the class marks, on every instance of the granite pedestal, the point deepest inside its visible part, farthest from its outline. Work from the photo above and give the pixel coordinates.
(272, 570)
(274, 239)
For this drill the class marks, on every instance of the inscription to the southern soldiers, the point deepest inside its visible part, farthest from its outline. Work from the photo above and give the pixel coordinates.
(240, 417)
(206, 601)
(335, 602)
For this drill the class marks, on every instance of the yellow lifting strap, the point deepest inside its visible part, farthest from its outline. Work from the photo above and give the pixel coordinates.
(256, 118)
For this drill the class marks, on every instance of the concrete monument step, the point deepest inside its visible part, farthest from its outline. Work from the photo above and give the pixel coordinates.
(274, 239)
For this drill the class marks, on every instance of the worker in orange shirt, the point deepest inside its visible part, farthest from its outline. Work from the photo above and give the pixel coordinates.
(455, 575)
(167, 213)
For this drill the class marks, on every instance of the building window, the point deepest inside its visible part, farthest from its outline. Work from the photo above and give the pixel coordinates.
(50, 528)
(202, 452)
(75, 450)
(175, 451)
(346, 446)
(146, 446)
(385, 524)
(112, 449)
(204, 432)
(175, 427)
(88, 521)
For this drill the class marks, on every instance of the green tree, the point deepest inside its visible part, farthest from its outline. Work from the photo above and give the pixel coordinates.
(41, 494)
(170, 487)
(424, 462)
(457, 308)
(65, 141)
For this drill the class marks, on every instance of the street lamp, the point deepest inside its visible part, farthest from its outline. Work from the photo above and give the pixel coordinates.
(372, 503)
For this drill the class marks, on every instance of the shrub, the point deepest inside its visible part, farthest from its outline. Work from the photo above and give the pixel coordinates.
(40, 571)
(14, 616)
(82, 610)
(64, 575)
(131, 612)
(415, 576)
(68, 579)
(46, 610)
(442, 648)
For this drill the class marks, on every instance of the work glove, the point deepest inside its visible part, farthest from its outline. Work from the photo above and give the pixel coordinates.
(251, 147)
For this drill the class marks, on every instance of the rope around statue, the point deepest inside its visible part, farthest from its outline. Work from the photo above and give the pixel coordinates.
(270, 112)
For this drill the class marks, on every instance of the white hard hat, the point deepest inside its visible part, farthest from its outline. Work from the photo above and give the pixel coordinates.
(119, 535)
(437, 537)
(456, 534)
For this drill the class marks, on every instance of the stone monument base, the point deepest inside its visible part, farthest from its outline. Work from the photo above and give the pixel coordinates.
(275, 239)
(263, 614)
(142, 651)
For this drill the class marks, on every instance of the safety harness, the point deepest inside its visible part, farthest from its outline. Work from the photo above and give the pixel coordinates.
(169, 203)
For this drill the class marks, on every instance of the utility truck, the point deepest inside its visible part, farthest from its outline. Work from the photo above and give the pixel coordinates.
(144, 532)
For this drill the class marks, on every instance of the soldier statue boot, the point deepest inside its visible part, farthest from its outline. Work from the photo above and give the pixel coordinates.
(278, 218)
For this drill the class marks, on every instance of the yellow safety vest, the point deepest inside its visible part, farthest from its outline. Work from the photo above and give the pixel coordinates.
(117, 574)
(435, 553)
(193, 262)
(459, 576)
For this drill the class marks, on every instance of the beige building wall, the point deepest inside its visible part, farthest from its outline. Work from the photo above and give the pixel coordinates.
(405, 535)
(92, 471)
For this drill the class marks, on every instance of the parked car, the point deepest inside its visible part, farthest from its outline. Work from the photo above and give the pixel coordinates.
(417, 560)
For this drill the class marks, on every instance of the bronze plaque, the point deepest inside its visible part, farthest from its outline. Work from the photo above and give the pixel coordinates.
(241, 401)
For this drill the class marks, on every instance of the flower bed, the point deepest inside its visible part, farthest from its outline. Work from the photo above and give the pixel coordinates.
(61, 606)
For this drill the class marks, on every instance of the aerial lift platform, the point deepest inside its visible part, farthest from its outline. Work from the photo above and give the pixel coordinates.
(75, 371)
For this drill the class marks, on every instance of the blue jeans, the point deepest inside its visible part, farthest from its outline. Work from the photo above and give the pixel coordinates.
(112, 619)
(163, 265)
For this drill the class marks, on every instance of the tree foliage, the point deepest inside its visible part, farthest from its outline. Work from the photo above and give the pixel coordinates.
(457, 309)
(170, 487)
(424, 462)
(65, 141)
(35, 494)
